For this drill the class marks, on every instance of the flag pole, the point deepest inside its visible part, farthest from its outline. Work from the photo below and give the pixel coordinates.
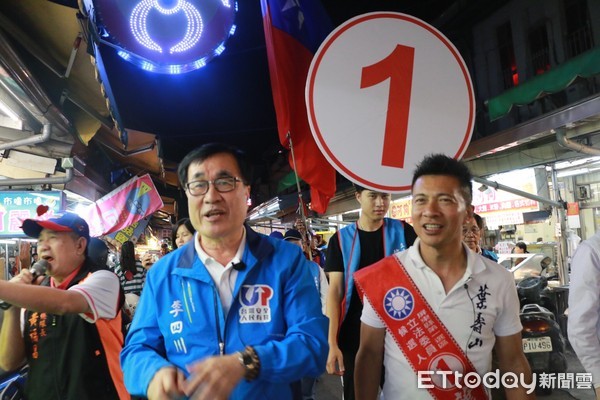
(300, 200)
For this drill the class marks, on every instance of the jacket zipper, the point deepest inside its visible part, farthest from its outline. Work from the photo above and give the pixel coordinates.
(217, 318)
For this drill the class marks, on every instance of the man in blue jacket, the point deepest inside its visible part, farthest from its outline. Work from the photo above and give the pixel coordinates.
(231, 314)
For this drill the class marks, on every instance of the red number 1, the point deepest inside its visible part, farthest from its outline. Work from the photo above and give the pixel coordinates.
(398, 67)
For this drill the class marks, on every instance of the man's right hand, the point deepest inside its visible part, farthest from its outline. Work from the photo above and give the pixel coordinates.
(335, 361)
(25, 276)
(166, 384)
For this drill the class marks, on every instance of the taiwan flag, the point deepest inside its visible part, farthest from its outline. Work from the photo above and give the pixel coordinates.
(294, 29)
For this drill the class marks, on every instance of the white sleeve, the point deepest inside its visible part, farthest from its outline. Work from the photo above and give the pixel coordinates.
(584, 309)
(508, 321)
(369, 316)
(324, 285)
(101, 291)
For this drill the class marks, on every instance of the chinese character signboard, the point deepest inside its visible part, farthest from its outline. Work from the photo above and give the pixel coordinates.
(401, 209)
(132, 232)
(16, 206)
(500, 207)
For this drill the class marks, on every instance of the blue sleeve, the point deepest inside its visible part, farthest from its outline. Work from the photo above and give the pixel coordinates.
(303, 351)
(143, 353)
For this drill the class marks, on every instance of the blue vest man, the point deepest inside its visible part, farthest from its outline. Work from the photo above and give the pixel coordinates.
(363, 243)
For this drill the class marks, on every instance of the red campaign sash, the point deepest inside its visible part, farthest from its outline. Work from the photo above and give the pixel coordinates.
(421, 336)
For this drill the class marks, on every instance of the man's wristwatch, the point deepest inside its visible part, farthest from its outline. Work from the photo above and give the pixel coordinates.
(250, 361)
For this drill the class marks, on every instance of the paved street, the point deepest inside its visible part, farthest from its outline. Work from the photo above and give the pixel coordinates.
(329, 387)
(573, 366)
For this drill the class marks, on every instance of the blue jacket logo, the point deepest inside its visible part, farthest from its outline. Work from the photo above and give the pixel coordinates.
(254, 300)
(255, 295)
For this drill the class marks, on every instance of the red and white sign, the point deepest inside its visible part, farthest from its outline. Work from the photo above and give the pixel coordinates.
(573, 215)
(384, 90)
(500, 207)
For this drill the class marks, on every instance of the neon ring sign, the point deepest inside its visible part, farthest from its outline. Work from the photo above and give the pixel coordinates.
(166, 36)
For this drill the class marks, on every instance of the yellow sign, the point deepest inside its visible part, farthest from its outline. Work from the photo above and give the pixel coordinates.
(402, 209)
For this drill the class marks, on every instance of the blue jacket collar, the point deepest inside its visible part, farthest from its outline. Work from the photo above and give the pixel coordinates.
(257, 249)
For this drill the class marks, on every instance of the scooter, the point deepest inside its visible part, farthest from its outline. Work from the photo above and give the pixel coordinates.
(543, 342)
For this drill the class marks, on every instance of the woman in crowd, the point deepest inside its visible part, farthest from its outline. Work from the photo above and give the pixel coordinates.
(520, 248)
(130, 271)
(183, 232)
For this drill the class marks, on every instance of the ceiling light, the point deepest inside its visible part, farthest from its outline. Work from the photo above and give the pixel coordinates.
(572, 172)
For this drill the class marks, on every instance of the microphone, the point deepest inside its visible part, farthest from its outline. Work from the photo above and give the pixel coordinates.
(240, 266)
(466, 285)
(37, 269)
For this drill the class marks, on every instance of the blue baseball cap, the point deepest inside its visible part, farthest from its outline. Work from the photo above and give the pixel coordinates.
(67, 222)
(276, 235)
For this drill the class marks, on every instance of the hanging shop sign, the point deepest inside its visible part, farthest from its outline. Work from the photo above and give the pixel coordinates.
(16, 206)
(500, 207)
(573, 215)
(402, 209)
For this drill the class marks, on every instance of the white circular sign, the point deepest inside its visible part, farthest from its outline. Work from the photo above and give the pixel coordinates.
(384, 90)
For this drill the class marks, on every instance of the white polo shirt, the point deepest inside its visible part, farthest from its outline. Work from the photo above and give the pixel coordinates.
(584, 307)
(489, 305)
(223, 276)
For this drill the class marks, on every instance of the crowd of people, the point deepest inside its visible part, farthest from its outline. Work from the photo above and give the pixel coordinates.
(231, 313)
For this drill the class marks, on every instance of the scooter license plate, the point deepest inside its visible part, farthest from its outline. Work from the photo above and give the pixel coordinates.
(537, 345)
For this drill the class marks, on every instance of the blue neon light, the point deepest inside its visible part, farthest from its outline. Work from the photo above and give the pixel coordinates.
(166, 36)
(219, 50)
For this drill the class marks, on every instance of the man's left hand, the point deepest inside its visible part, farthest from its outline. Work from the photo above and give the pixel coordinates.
(214, 378)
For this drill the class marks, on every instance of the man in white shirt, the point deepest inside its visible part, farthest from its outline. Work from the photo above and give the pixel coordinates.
(584, 307)
(438, 307)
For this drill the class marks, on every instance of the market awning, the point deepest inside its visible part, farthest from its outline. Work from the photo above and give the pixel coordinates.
(585, 65)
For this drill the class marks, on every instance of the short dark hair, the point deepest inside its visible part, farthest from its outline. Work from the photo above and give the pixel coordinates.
(97, 251)
(522, 246)
(182, 221)
(441, 164)
(478, 221)
(358, 188)
(205, 151)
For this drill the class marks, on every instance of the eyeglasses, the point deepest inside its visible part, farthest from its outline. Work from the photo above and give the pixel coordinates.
(474, 230)
(222, 185)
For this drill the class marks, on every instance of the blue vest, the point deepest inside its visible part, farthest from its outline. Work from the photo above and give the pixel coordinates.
(393, 242)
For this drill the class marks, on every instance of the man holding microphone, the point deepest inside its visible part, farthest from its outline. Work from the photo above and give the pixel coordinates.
(71, 318)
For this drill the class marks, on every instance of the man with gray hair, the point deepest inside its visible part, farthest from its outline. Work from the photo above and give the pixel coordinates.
(235, 314)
